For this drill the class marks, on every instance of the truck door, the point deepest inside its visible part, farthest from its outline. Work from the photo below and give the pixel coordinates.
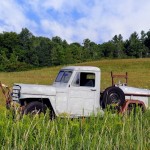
(82, 94)
(61, 83)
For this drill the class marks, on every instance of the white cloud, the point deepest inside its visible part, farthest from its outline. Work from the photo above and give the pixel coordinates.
(57, 29)
(57, 5)
(98, 20)
(12, 17)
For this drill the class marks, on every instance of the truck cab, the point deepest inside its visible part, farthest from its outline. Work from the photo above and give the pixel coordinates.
(78, 90)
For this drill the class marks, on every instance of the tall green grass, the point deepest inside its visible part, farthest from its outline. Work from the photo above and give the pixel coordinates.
(101, 132)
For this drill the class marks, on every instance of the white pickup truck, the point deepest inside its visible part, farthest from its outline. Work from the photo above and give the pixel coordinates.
(76, 92)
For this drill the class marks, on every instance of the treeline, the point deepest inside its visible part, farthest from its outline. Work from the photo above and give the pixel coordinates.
(24, 50)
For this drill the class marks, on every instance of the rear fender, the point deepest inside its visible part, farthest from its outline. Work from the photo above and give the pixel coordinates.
(131, 102)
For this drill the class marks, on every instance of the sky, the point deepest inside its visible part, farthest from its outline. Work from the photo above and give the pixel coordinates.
(76, 20)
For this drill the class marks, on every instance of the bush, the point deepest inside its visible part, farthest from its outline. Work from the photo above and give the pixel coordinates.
(17, 66)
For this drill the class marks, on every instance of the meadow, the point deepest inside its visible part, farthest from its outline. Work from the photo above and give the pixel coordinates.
(101, 132)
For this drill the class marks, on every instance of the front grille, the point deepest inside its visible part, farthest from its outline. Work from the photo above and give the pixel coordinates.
(16, 92)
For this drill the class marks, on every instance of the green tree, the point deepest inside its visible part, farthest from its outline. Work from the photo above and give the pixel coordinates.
(147, 43)
(43, 51)
(9, 40)
(134, 46)
(119, 46)
(25, 37)
(3, 58)
(25, 40)
(144, 49)
(86, 48)
(76, 51)
(108, 49)
(58, 55)
(90, 50)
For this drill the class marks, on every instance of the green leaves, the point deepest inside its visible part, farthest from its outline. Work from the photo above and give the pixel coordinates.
(25, 48)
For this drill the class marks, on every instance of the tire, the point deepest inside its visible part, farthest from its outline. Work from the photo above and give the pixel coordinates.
(34, 108)
(113, 97)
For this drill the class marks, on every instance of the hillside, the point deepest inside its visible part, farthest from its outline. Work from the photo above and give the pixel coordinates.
(138, 73)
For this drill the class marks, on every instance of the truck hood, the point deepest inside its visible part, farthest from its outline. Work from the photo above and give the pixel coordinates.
(132, 90)
(35, 89)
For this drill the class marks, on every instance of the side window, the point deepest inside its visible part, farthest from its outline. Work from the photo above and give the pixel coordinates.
(84, 79)
(76, 81)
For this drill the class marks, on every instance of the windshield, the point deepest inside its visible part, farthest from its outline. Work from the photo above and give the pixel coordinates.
(63, 76)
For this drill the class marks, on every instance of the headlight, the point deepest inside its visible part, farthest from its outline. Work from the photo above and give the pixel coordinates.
(15, 91)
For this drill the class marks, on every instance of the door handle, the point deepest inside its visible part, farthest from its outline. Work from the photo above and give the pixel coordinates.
(93, 89)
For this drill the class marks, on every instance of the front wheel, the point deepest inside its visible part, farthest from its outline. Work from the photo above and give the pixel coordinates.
(34, 108)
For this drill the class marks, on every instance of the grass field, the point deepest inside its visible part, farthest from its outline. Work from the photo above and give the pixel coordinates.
(107, 132)
(138, 73)
(138, 70)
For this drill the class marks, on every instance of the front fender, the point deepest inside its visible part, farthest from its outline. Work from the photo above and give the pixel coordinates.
(30, 98)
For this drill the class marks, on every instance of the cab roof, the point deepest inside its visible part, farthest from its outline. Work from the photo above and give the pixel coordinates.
(84, 68)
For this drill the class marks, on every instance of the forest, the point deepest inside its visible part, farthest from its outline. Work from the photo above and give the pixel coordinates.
(23, 51)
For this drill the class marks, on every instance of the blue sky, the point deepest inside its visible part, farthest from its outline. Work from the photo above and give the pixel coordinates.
(76, 20)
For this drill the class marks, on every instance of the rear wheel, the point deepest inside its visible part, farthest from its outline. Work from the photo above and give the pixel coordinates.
(34, 108)
(113, 97)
